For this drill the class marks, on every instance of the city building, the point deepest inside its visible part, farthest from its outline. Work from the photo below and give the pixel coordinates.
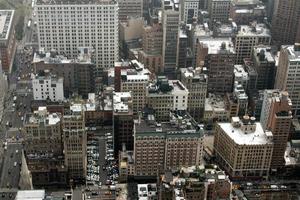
(241, 76)
(75, 141)
(147, 191)
(130, 34)
(78, 74)
(170, 23)
(264, 63)
(151, 55)
(189, 11)
(215, 109)
(225, 29)
(43, 148)
(65, 26)
(166, 95)
(182, 51)
(3, 91)
(219, 10)
(239, 93)
(245, 11)
(218, 56)
(286, 22)
(46, 86)
(134, 78)
(196, 84)
(287, 74)
(123, 121)
(243, 148)
(276, 116)
(249, 36)
(126, 164)
(7, 39)
(195, 182)
(155, 144)
(131, 8)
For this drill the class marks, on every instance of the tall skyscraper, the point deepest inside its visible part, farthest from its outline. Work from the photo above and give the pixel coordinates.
(276, 116)
(287, 76)
(286, 22)
(64, 26)
(170, 23)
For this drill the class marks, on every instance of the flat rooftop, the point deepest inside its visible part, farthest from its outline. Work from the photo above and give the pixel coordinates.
(195, 74)
(259, 30)
(266, 50)
(258, 137)
(294, 55)
(31, 195)
(6, 19)
(74, 2)
(239, 73)
(215, 103)
(214, 45)
(121, 102)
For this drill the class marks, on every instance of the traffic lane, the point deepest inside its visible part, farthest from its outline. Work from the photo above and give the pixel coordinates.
(11, 168)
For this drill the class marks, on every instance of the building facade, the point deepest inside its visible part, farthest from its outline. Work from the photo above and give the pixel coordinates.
(276, 116)
(44, 148)
(155, 144)
(248, 37)
(196, 83)
(189, 11)
(123, 121)
(131, 8)
(66, 26)
(243, 149)
(75, 141)
(287, 74)
(219, 10)
(218, 56)
(165, 96)
(170, 23)
(7, 39)
(47, 86)
(286, 22)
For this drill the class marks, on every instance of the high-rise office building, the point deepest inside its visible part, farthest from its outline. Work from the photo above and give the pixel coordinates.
(196, 83)
(218, 56)
(248, 37)
(219, 10)
(264, 64)
(151, 55)
(189, 10)
(276, 116)
(123, 121)
(130, 8)
(75, 141)
(7, 39)
(286, 22)
(287, 75)
(65, 26)
(170, 23)
(155, 144)
(243, 148)
(44, 148)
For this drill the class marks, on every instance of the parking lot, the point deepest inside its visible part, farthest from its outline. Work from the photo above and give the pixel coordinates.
(102, 167)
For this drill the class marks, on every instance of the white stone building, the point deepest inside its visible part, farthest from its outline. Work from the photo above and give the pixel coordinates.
(47, 87)
(66, 25)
